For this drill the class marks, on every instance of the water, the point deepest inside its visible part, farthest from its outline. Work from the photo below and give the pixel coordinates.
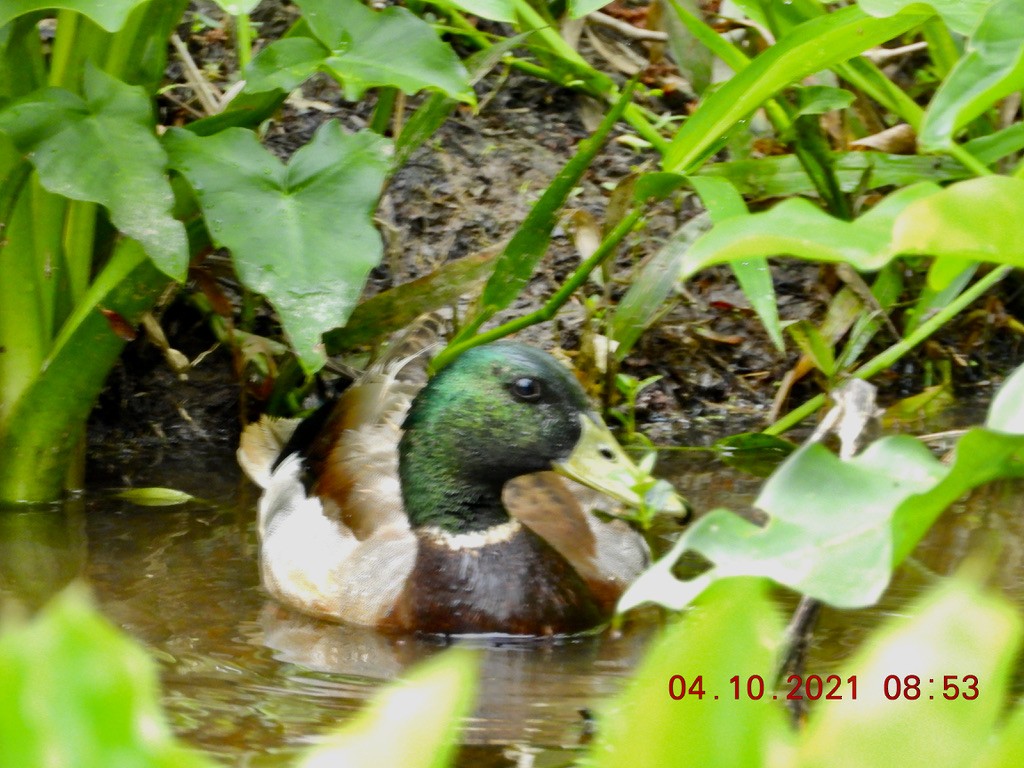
(254, 683)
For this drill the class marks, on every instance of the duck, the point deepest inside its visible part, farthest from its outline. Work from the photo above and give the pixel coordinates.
(472, 503)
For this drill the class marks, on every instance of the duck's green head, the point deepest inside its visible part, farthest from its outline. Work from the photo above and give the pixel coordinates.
(497, 412)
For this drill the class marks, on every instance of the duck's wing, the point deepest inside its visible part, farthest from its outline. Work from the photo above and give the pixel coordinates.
(311, 562)
(609, 555)
(261, 445)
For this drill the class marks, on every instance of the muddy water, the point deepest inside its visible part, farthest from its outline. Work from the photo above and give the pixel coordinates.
(253, 683)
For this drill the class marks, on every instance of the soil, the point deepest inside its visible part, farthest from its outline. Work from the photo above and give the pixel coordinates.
(469, 188)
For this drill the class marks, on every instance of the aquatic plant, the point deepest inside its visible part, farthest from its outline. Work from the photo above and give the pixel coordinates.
(95, 226)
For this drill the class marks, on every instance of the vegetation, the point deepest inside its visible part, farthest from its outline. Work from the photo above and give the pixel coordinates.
(100, 215)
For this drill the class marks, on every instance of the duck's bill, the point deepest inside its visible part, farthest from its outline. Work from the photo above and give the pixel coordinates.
(599, 462)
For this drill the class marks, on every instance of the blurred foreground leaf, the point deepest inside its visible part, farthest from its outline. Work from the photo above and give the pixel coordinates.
(413, 723)
(733, 630)
(957, 638)
(78, 694)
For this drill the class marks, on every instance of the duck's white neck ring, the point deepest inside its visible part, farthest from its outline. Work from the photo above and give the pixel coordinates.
(496, 534)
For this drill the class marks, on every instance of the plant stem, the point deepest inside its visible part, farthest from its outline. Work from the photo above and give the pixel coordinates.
(889, 356)
(551, 307)
(243, 40)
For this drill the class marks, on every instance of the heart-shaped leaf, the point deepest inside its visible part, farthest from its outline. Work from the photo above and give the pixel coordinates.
(301, 234)
(102, 148)
(384, 48)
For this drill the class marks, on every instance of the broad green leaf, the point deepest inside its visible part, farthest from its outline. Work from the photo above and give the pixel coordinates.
(301, 234)
(837, 528)
(960, 15)
(413, 723)
(797, 227)
(783, 175)
(496, 10)
(1006, 750)
(828, 534)
(386, 48)
(993, 67)
(1006, 414)
(974, 219)
(77, 692)
(732, 631)
(102, 148)
(956, 632)
(808, 48)
(109, 14)
(284, 65)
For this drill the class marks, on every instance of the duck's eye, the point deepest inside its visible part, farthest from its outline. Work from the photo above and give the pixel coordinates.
(526, 389)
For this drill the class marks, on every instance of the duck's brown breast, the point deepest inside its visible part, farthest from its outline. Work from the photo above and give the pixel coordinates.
(514, 583)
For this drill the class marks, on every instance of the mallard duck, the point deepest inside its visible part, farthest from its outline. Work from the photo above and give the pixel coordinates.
(437, 508)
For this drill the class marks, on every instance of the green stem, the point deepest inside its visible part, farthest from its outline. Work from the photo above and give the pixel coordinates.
(383, 110)
(63, 49)
(551, 307)
(122, 46)
(889, 356)
(243, 40)
(79, 236)
(43, 427)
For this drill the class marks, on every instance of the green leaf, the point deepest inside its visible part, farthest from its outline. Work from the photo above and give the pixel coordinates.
(301, 234)
(386, 48)
(651, 287)
(837, 528)
(394, 309)
(808, 48)
(992, 68)
(974, 219)
(733, 631)
(1006, 414)
(810, 341)
(426, 708)
(828, 535)
(155, 496)
(960, 15)
(818, 99)
(102, 149)
(954, 632)
(109, 14)
(78, 692)
(284, 65)
(496, 10)
(797, 227)
(783, 175)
